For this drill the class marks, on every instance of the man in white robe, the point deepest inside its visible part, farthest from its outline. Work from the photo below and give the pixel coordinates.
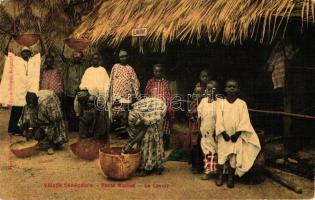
(95, 79)
(238, 143)
(19, 76)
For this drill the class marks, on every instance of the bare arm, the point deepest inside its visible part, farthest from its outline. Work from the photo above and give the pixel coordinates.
(43, 49)
(6, 49)
(132, 142)
(62, 56)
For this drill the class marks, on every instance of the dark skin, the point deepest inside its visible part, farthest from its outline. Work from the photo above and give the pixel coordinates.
(6, 49)
(211, 89)
(31, 100)
(96, 60)
(49, 62)
(77, 57)
(123, 57)
(232, 91)
(204, 77)
(26, 54)
(157, 71)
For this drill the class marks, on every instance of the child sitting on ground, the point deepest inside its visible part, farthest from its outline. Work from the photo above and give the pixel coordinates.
(238, 144)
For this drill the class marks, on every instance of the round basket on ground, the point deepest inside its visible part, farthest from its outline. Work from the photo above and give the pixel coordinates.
(24, 149)
(77, 44)
(118, 166)
(27, 39)
(87, 149)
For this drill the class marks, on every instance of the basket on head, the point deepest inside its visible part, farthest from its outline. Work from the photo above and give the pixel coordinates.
(27, 39)
(77, 44)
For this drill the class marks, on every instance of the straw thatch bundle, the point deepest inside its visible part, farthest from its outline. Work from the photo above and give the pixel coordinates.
(230, 21)
(46, 17)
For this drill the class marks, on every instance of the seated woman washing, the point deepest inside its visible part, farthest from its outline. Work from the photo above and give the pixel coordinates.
(42, 120)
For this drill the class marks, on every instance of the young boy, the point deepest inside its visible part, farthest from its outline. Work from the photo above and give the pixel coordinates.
(207, 119)
(238, 144)
(159, 87)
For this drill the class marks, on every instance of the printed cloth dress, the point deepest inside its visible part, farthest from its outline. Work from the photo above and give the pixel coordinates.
(148, 115)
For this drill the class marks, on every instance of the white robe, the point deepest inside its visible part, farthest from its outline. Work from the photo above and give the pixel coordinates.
(207, 115)
(16, 82)
(96, 81)
(232, 118)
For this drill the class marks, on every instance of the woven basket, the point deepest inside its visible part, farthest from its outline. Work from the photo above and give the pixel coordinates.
(27, 39)
(77, 44)
(116, 165)
(24, 149)
(87, 149)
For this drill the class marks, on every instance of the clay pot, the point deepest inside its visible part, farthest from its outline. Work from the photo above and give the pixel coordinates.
(87, 149)
(27, 39)
(119, 166)
(77, 44)
(24, 149)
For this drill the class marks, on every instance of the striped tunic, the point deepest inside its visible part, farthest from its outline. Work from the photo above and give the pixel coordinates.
(160, 88)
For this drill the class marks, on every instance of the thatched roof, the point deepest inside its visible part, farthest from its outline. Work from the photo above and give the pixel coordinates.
(229, 21)
(41, 16)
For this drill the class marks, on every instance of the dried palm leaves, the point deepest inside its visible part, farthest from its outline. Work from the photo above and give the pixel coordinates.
(37, 16)
(231, 21)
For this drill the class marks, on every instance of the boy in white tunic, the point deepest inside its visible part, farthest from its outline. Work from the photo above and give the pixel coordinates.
(207, 116)
(238, 144)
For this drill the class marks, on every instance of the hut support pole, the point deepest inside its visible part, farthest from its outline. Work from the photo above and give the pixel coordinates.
(287, 107)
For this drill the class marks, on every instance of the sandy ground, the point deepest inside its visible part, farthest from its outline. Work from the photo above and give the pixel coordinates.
(54, 177)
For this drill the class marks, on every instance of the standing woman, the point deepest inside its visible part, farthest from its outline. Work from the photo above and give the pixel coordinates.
(124, 89)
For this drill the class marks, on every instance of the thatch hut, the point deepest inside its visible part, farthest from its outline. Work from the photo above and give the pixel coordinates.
(228, 21)
(232, 38)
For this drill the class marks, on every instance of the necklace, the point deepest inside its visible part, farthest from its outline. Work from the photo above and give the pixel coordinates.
(26, 68)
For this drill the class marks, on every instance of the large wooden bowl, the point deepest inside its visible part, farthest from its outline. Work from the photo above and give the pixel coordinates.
(87, 149)
(116, 165)
(77, 44)
(27, 39)
(24, 149)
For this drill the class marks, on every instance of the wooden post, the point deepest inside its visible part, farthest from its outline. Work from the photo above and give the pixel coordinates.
(287, 106)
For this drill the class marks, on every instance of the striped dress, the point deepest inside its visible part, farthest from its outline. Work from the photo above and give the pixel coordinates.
(160, 88)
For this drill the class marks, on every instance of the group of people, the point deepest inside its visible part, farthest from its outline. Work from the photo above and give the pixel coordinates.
(227, 142)
(95, 100)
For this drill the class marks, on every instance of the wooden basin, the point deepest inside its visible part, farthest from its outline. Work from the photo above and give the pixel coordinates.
(116, 165)
(27, 39)
(87, 149)
(77, 44)
(24, 149)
